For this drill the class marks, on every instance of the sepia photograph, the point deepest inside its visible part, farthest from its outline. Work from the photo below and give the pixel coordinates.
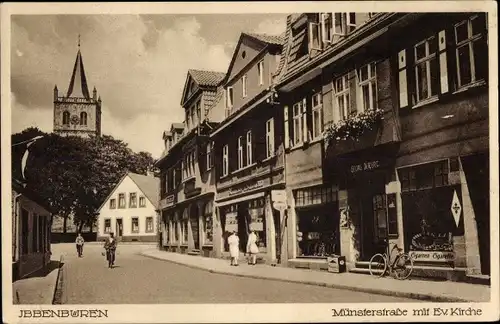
(250, 162)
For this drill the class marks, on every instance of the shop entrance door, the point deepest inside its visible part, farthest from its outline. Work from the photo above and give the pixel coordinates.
(243, 225)
(373, 218)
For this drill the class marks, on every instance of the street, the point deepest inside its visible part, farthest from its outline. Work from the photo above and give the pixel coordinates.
(141, 280)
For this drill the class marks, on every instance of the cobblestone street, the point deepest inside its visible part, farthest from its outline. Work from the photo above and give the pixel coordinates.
(138, 279)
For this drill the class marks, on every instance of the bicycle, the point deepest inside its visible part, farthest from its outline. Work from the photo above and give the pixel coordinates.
(401, 266)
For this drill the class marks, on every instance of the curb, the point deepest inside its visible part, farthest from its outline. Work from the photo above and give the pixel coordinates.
(419, 296)
(57, 298)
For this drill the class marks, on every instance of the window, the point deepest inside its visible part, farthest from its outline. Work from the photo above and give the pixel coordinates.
(342, 97)
(83, 118)
(468, 39)
(209, 156)
(270, 138)
(367, 85)
(315, 196)
(225, 160)
(392, 216)
(350, 22)
(188, 165)
(229, 97)
(121, 200)
(257, 220)
(297, 123)
(326, 27)
(198, 112)
(426, 69)
(249, 148)
(244, 85)
(425, 176)
(66, 118)
(149, 225)
(135, 225)
(240, 153)
(314, 36)
(260, 68)
(142, 201)
(112, 203)
(337, 24)
(132, 200)
(317, 114)
(107, 226)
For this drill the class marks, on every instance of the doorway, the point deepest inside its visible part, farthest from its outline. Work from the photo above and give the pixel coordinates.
(195, 228)
(119, 227)
(242, 217)
(373, 214)
(278, 232)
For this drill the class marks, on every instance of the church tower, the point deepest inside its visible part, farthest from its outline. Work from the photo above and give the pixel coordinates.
(77, 113)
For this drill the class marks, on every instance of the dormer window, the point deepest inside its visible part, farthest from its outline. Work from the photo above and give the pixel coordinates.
(336, 24)
(314, 36)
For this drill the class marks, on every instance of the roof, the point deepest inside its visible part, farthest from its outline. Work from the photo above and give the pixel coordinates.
(19, 187)
(149, 185)
(206, 78)
(269, 39)
(78, 83)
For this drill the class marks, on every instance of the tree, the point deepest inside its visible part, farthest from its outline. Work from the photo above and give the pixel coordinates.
(76, 174)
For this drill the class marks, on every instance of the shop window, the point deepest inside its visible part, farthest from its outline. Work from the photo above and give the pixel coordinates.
(24, 231)
(317, 233)
(142, 201)
(185, 231)
(257, 221)
(207, 223)
(121, 200)
(112, 203)
(149, 225)
(107, 226)
(425, 176)
(469, 40)
(380, 217)
(132, 200)
(367, 87)
(317, 115)
(135, 225)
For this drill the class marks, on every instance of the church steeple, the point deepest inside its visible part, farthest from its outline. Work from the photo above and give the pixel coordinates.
(78, 83)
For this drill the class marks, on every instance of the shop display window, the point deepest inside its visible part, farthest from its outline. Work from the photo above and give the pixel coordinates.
(257, 220)
(317, 231)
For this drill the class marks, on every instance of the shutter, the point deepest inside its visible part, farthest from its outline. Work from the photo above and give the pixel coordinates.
(286, 140)
(353, 87)
(443, 66)
(403, 83)
(310, 29)
(323, 27)
(304, 120)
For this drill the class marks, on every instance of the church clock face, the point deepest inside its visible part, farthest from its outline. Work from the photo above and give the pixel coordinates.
(74, 119)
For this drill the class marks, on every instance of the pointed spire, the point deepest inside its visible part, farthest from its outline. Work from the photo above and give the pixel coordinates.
(94, 94)
(56, 92)
(78, 83)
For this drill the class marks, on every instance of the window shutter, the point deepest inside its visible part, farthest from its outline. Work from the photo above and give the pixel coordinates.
(403, 82)
(323, 27)
(443, 66)
(304, 120)
(286, 141)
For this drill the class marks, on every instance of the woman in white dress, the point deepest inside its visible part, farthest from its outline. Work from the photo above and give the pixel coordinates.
(252, 248)
(234, 248)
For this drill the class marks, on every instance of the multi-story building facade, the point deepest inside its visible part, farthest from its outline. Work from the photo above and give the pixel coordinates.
(248, 146)
(403, 102)
(77, 113)
(187, 184)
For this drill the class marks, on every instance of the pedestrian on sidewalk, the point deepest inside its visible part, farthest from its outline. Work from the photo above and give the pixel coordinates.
(234, 248)
(110, 247)
(79, 244)
(252, 249)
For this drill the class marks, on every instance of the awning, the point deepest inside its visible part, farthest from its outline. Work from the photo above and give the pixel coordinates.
(240, 199)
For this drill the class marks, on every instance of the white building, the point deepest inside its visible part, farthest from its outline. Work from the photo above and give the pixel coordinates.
(130, 210)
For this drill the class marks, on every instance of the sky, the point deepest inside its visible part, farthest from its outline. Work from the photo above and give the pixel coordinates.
(138, 64)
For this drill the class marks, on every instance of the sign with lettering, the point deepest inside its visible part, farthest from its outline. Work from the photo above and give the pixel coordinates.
(365, 166)
(278, 196)
(248, 187)
(432, 256)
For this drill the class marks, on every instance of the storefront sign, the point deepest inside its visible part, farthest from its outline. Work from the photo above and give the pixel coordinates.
(167, 201)
(365, 166)
(456, 208)
(278, 196)
(432, 256)
(246, 188)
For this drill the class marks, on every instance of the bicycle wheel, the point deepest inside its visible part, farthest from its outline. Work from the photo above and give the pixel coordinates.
(378, 265)
(403, 266)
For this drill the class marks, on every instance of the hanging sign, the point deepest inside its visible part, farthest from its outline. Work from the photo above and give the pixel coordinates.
(456, 208)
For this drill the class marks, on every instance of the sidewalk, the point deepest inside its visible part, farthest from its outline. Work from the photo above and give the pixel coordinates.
(446, 291)
(39, 287)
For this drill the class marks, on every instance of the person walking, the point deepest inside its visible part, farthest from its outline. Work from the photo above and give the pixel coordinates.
(252, 248)
(234, 248)
(79, 244)
(110, 247)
